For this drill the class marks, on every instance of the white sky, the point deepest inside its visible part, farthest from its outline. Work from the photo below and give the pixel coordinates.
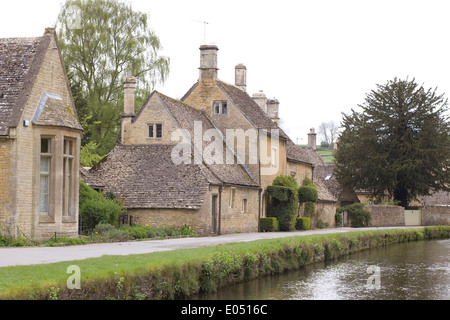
(318, 57)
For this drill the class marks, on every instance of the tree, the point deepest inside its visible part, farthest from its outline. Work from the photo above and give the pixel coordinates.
(329, 131)
(108, 40)
(399, 143)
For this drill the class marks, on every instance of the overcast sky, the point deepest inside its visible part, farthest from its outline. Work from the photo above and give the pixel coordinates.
(319, 58)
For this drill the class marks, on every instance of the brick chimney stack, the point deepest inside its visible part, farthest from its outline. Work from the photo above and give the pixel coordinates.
(129, 83)
(241, 77)
(208, 62)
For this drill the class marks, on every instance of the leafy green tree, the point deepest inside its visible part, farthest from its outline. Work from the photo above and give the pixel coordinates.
(101, 41)
(399, 143)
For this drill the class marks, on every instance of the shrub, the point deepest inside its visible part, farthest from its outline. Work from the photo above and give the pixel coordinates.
(303, 224)
(357, 213)
(96, 209)
(308, 194)
(268, 224)
(284, 202)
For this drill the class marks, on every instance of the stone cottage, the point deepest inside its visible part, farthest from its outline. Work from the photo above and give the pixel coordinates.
(205, 160)
(39, 140)
(168, 177)
(268, 153)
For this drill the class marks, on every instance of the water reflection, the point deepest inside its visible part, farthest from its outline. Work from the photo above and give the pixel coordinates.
(410, 271)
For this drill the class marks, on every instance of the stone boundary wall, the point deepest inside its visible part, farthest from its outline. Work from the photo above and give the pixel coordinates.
(386, 216)
(435, 215)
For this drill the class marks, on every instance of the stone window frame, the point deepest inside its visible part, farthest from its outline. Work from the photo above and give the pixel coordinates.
(47, 217)
(244, 205)
(274, 159)
(68, 193)
(154, 130)
(232, 197)
(218, 107)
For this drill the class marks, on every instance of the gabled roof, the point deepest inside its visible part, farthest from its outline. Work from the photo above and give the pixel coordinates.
(186, 117)
(144, 177)
(20, 62)
(303, 154)
(249, 108)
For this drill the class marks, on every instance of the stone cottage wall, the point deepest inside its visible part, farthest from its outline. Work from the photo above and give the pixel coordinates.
(435, 215)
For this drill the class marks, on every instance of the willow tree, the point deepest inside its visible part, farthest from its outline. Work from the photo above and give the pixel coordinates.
(101, 41)
(399, 143)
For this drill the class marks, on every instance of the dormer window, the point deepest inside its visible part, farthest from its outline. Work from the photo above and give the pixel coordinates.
(220, 107)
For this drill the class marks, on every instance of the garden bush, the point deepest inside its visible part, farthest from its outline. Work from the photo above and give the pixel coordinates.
(303, 223)
(96, 209)
(268, 224)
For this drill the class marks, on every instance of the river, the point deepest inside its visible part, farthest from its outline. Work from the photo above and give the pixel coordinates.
(409, 271)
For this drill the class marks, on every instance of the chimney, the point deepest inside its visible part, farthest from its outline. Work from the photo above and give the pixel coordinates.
(312, 138)
(241, 77)
(272, 110)
(261, 100)
(208, 62)
(129, 83)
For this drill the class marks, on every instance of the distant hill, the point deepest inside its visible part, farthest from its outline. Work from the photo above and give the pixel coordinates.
(325, 153)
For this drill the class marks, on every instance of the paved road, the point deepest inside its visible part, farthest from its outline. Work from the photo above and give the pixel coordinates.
(43, 255)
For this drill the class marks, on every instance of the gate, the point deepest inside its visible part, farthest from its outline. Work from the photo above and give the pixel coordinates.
(413, 218)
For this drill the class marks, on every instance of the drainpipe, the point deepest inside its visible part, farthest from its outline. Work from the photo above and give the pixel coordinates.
(220, 211)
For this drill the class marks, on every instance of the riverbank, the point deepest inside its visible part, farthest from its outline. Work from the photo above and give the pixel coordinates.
(178, 274)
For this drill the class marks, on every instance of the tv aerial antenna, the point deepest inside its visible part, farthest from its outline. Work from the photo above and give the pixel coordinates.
(205, 23)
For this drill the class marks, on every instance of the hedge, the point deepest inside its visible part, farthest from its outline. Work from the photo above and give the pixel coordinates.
(303, 223)
(268, 224)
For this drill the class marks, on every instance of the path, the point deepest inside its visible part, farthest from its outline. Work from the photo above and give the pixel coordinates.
(43, 255)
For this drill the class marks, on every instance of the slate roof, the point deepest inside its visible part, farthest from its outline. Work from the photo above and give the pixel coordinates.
(303, 154)
(20, 61)
(186, 116)
(322, 172)
(145, 177)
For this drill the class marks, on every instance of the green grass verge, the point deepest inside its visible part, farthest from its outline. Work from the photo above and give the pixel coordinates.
(181, 273)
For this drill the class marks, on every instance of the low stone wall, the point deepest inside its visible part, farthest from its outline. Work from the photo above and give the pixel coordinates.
(435, 215)
(386, 216)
